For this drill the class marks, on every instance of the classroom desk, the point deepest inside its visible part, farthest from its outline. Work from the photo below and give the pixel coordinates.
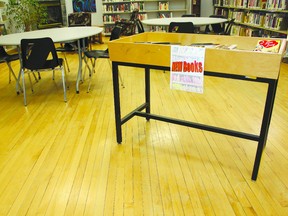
(197, 21)
(58, 35)
(240, 64)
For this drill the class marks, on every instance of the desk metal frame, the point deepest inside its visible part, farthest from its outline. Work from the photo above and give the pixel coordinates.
(261, 138)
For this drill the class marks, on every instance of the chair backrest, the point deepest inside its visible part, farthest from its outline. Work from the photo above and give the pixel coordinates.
(79, 19)
(115, 33)
(140, 26)
(181, 27)
(3, 53)
(218, 27)
(227, 30)
(188, 15)
(134, 14)
(36, 52)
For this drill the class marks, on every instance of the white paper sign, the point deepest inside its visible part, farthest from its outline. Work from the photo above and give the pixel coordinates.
(187, 68)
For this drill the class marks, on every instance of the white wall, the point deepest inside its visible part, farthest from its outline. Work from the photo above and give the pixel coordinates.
(207, 8)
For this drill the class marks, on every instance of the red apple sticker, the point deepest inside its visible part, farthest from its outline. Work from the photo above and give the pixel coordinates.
(268, 43)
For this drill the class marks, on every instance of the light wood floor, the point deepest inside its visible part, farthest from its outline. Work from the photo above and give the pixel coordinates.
(60, 158)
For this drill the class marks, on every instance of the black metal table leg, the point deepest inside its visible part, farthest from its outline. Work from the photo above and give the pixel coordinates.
(272, 85)
(79, 75)
(266, 119)
(147, 91)
(115, 72)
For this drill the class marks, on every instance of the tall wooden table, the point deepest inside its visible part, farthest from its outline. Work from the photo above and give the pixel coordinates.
(241, 64)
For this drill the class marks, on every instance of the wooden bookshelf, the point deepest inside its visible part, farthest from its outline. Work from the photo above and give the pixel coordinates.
(114, 10)
(255, 18)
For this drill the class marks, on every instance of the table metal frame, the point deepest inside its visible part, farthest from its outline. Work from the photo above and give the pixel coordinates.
(260, 138)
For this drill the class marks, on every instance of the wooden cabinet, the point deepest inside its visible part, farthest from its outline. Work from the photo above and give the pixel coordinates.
(114, 10)
(255, 18)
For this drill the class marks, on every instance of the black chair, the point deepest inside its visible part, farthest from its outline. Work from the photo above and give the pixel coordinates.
(216, 28)
(40, 55)
(128, 27)
(140, 26)
(181, 27)
(93, 55)
(5, 57)
(228, 27)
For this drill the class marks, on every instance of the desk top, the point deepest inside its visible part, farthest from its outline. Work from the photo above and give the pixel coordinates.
(57, 34)
(197, 21)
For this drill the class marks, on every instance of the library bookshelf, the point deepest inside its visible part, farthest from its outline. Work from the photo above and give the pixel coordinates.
(115, 10)
(265, 18)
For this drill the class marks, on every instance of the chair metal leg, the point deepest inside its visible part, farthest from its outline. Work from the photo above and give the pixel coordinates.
(36, 79)
(13, 74)
(66, 77)
(119, 75)
(64, 84)
(93, 62)
(67, 65)
(91, 71)
(9, 73)
(24, 88)
(31, 84)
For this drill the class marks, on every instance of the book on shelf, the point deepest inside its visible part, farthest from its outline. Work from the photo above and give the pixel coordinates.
(163, 5)
(268, 45)
(277, 4)
(275, 21)
(165, 15)
(263, 4)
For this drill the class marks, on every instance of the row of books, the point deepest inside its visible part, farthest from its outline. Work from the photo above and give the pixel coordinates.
(277, 4)
(221, 11)
(123, 7)
(108, 29)
(252, 32)
(245, 31)
(266, 20)
(115, 17)
(158, 28)
(275, 21)
(261, 4)
(165, 15)
(255, 4)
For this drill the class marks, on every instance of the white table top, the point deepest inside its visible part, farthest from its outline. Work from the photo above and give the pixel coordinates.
(57, 34)
(197, 21)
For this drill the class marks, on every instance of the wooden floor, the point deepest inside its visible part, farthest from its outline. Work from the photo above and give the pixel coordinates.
(60, 158)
